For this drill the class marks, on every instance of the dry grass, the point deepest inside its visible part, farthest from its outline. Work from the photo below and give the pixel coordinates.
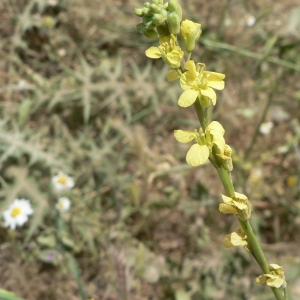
(78, 94)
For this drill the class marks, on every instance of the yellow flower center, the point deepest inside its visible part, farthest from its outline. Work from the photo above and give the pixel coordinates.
(61, 205)
(62, 179)
(15, 212)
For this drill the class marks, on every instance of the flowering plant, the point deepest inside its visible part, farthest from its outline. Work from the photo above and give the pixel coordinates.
(199, 87)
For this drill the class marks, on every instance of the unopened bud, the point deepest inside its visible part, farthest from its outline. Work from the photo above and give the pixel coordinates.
(150, 34)
(189, 32)
(154, 8)
(158, 19)
(150, 25)
(174, 6)
(162, 31)
(139, 12)
(146, 12)
(173, 23)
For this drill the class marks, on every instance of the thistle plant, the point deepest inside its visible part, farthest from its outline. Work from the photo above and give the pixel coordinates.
(164, 21)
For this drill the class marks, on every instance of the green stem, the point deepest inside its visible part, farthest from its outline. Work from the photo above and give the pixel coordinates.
(225, 178)
(189, 56)
(254, 245)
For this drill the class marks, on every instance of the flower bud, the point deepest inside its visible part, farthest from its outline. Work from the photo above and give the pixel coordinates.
(150, 34)
(173, 23)
(158, 19)
(162, 31)
(139, 12)
(190, 32)
(146, 12)
(174, 6)
(154, 8)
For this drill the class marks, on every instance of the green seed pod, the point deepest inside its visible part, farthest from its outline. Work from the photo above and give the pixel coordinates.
(139, 12)
(147, 4)
(173, 23)
(158, 19)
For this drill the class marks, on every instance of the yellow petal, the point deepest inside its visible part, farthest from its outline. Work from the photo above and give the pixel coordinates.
(227, 209)
(241, 206)
(190, 66)
(197, 155)
(240, 196)
(172, 75)
(211, 94)
(188, 98)
(216, 128)
(183, 136)
(275, 267)
(213, 76)
(234, 239)
(227, 199)
(167, 39)
(173, 59)
(275, 282)
(261, 279)
(218, 85)
(220, 143)
(153, 52)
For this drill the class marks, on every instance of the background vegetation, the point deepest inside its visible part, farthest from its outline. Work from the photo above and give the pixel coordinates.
(78, 95)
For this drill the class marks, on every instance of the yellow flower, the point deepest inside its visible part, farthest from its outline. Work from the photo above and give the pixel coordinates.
(199, 153)
(235, 239)
(275, 279)
(168, 49)
(238, 205)
(226, 159)
(189, 32)
(199, 83)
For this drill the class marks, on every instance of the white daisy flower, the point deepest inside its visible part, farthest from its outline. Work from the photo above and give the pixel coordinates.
(63, 204)
(17, 213)
(250, 20)
(265, 128)
(62, 182)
